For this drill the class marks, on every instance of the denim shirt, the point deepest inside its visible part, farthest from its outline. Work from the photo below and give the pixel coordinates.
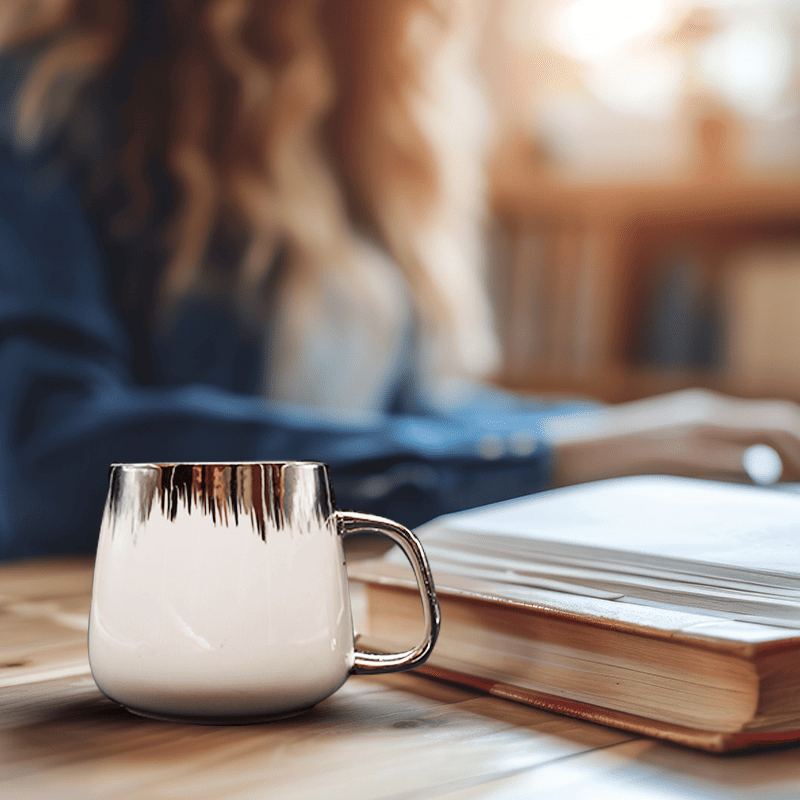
(85, 384)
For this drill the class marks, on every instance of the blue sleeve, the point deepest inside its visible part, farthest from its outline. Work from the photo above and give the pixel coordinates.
(70, 405)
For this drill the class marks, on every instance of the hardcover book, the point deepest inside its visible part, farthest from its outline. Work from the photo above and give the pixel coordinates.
(665, 606)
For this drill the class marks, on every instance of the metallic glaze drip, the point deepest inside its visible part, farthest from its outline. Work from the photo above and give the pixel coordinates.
(273, 495)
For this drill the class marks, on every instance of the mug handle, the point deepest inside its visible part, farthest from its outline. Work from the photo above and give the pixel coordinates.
(374, 663)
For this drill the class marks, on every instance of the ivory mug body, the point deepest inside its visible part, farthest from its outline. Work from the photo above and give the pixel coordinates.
(220, 591)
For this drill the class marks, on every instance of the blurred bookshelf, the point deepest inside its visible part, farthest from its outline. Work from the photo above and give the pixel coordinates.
(617, 290)
(645, 230)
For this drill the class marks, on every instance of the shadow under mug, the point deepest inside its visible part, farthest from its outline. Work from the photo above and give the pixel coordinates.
(220, 591)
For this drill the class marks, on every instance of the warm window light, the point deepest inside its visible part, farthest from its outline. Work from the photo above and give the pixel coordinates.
(643, 57)
(646, 84)
(592, 29)
(749, 63)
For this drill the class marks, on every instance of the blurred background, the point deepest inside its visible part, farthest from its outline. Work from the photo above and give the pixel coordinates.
(645, 180)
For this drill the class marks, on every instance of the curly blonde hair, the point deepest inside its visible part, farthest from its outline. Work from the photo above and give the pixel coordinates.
(300, 120)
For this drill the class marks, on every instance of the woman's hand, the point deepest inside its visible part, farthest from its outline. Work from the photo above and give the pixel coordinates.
(696, 433)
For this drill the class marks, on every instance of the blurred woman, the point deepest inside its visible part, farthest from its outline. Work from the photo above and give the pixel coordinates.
(250, 230)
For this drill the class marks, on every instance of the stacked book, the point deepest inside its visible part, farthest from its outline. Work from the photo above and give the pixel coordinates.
(666, 606)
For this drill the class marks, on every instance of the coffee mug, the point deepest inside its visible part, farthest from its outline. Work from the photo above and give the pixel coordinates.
(220, 591)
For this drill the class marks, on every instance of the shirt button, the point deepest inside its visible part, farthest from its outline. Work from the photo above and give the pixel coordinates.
(490, 447)
(522, 443)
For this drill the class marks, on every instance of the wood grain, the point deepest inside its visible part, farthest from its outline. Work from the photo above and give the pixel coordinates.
(389, 737)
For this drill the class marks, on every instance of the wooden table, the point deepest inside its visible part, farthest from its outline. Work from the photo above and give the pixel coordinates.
(399, 736)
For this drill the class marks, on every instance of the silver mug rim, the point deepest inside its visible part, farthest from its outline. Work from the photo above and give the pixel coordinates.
(161, 464)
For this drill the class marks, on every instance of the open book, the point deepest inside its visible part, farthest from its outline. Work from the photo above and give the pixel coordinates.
(666, 606)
